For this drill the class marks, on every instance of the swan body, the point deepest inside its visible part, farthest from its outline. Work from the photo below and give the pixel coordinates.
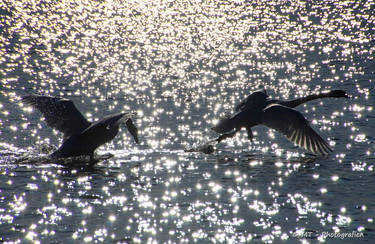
(80, 137)
(258, 109)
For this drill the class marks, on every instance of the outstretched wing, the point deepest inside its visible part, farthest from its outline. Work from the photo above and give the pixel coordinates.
(255, 99)
(241, 106)
(295, 127)
(59, 113)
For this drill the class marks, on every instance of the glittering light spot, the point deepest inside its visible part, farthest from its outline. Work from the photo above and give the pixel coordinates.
(335, 178)
(88, 239)
(87, 210)
(112, 218)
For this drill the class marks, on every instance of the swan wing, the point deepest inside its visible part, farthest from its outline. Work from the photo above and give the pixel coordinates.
(241, 106)
(257, 98)
(295, 127)
(59, 113)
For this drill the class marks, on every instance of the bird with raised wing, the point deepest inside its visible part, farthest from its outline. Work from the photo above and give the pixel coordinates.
(258, 109)
(80, 137)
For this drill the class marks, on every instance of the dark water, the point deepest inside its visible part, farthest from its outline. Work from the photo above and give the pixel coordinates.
(181, 65)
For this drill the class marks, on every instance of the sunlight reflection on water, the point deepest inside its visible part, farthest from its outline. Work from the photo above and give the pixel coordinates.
(181, 66)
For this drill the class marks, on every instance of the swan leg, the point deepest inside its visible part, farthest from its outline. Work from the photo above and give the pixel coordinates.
(250, 135)
(227, 135)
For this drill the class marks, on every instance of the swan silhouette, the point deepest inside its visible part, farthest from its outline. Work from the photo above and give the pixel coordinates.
(258, 109)
(80, 137)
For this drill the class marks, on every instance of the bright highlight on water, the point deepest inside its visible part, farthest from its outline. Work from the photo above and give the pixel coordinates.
(182, 66)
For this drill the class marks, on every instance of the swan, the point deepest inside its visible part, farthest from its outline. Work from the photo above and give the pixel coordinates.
(80, 137)
(258, 109)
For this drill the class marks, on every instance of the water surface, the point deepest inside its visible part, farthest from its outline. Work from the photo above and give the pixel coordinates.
(181, 66)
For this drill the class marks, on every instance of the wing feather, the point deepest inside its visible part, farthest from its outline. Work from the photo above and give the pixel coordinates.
(59, 113)
(295, 127)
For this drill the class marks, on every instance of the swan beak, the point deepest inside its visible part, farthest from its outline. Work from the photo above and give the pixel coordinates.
(339, 93)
